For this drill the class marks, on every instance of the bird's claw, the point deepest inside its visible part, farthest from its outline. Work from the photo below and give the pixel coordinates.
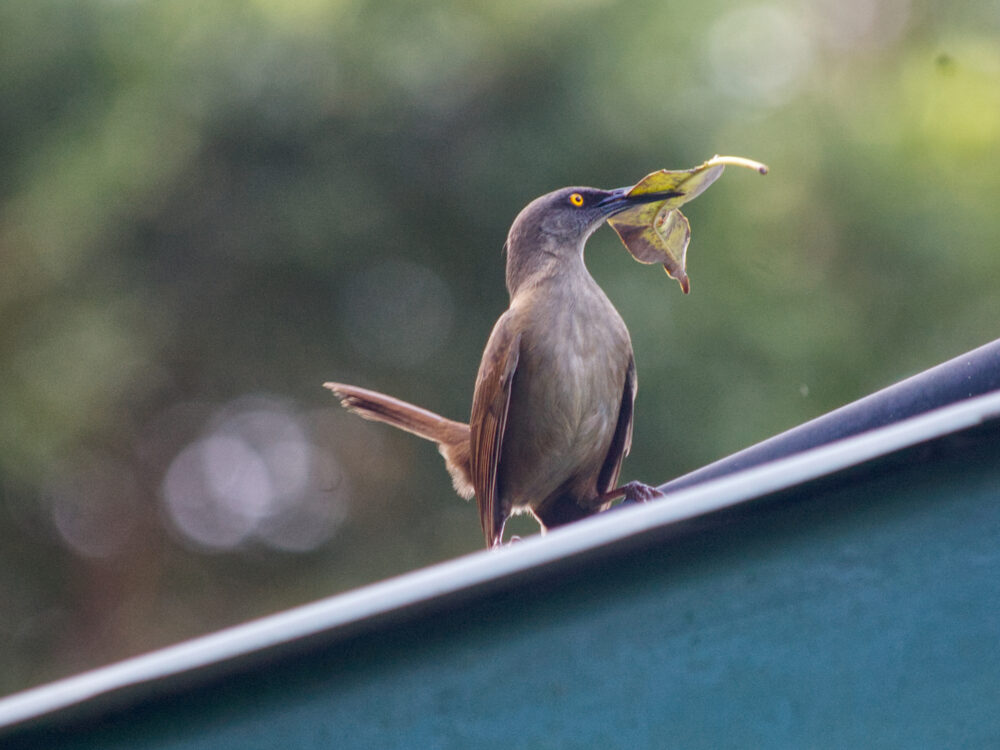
(637, 492)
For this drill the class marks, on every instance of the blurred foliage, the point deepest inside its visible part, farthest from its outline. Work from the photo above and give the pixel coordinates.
(207, 210)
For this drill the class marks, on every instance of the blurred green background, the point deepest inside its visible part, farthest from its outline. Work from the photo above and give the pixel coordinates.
(209, 209)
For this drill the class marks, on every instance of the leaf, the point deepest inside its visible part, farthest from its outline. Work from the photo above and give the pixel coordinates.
(656, 231)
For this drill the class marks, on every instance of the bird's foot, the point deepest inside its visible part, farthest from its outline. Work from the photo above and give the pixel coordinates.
(637, 492)
(634, 492)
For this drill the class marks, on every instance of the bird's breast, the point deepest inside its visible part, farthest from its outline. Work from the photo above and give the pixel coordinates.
(566, 394)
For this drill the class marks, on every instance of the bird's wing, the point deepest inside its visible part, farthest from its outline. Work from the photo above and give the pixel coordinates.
(490, 404)
(621, 443)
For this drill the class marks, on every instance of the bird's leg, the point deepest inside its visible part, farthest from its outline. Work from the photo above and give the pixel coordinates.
(634, 492)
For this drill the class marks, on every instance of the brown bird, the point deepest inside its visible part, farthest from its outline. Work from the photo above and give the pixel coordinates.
(552, 408)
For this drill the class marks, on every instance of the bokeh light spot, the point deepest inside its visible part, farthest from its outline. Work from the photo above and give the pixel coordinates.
(94, 505)
(254, 474)
(758, 54)
(848, 25)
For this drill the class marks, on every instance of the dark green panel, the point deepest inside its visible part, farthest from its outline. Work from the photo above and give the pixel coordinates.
(858, 611)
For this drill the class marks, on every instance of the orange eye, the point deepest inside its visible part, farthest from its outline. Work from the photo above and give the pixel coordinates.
(576, 199)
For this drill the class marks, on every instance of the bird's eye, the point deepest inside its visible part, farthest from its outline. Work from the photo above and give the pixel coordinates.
(576, 199)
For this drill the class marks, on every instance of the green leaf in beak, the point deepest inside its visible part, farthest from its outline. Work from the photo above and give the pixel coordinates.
(655, 231)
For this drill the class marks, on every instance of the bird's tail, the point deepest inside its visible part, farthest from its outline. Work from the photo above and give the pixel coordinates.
(452, 437)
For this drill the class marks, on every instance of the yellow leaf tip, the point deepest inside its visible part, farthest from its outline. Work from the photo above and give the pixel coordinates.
(738, 161)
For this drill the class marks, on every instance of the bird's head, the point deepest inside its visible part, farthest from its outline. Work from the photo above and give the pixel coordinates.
(559, 223)
(570, 215)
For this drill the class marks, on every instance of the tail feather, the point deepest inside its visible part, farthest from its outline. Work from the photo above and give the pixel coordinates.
(382, 408)
(452, 437)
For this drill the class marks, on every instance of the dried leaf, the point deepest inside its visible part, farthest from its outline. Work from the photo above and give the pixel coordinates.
(657, 232)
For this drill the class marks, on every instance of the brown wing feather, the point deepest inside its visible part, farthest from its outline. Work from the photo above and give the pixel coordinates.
(490, 404)
(621, 443)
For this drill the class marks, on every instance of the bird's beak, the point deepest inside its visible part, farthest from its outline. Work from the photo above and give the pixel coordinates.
(619, 200)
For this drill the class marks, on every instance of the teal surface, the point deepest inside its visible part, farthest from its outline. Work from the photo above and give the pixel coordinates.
(862, 610)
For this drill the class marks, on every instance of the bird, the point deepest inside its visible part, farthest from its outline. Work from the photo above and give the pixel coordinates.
(553, 402)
